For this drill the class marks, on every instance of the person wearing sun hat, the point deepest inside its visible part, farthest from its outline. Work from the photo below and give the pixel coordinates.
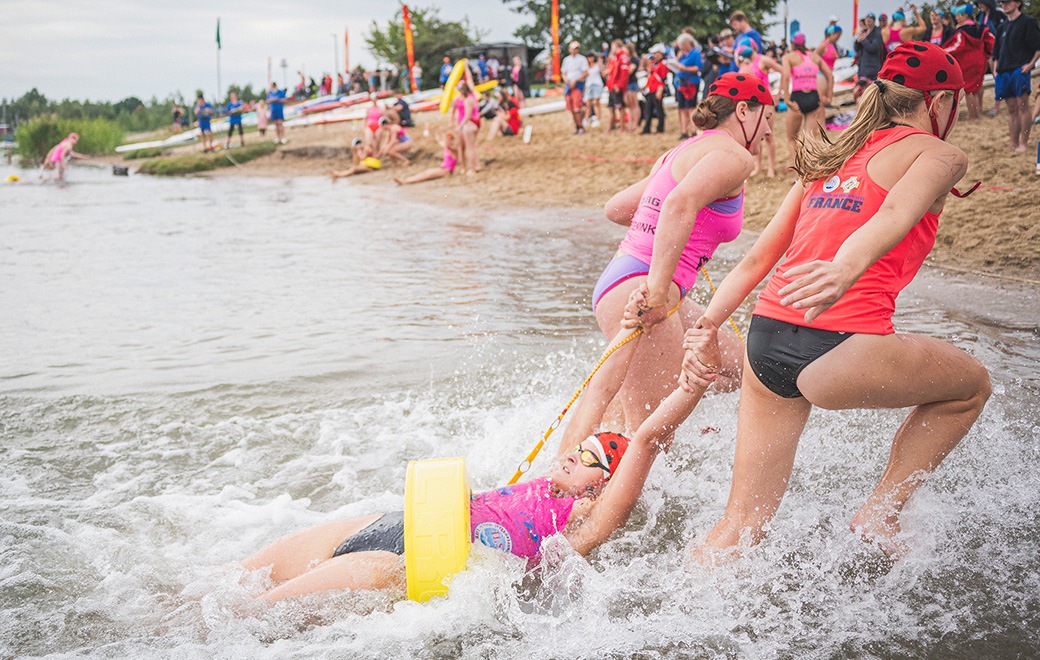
(691, 201)
(852, 232)
(1015, 54)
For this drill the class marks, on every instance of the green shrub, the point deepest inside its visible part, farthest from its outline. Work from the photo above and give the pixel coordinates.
(193, 163)
(36, 137)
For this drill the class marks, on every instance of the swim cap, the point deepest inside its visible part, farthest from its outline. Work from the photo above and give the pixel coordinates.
(922, 65)
(74, 136)
(898, 16)
(740, 87)
(356, 142)
(870, 14)
(831, 29)
(962, 10)
(611, 448)
(798, 39)
(883, 17)
(746, 53)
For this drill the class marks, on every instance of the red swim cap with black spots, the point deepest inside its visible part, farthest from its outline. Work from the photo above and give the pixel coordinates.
(613, 447)
(923, 66)
(741, 87)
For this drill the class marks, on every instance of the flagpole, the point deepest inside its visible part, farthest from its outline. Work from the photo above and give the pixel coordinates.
(219, 88)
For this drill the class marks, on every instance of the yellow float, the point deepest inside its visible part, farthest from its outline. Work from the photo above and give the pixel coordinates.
(436, 525)
(12, 178)
(454, 77)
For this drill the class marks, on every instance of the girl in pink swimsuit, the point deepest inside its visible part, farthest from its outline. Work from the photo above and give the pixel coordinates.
(584, 499)
(801, 70)
(677, 216)
(758, 65)
(446, 168)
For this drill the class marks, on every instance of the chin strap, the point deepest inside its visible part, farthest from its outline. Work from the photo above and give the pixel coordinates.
(758, 124)
(962, 195)
(949, 125)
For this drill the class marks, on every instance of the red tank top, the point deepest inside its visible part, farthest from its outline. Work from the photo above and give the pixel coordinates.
(831, 211)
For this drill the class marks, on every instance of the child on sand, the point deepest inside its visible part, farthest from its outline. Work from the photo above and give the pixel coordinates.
(364, 161)
(446, 168)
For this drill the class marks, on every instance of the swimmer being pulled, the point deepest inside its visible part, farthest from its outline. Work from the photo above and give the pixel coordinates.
(586, 497)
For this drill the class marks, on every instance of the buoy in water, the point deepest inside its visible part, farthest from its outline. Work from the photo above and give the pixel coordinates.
(436, 525)
(11, 178)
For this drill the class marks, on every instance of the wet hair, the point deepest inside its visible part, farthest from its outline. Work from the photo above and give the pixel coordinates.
(882, 103)
(714, 110)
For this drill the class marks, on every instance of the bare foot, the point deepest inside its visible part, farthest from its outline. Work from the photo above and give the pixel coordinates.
(332, 174)
(399, 181)
(880, 528)
(771, 174)
(1020, 149)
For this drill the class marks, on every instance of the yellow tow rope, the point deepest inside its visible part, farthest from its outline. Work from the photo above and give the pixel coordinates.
(533, 454)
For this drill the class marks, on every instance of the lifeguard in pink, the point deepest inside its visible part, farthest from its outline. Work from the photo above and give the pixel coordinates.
(718, 222)
(517, 518)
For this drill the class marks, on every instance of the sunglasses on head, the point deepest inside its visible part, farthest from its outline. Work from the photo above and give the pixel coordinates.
(588, 458)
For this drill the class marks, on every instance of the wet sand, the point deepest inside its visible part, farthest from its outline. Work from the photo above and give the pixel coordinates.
(996, 230)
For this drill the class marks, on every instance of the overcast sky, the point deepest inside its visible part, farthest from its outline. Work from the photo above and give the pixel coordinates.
(111, 49)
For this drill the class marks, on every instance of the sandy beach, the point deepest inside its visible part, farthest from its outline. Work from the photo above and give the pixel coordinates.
(996, 230)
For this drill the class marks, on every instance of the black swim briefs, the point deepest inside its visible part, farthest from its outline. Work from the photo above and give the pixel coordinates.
(778, 351)
(385, 534)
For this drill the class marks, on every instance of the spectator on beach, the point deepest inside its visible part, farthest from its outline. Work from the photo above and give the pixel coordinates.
(467, 123)
(988, 14)
(899, 31)
(801, 68)
(482, 68)
(632, 88)
(363, 158)
(870, 54)
(971, 45)
(1015, 52)
(941, 29)
(234, 111)
(759, 66)
(688, 66)
(276, 99)
(204, 114)
(655, 84)
(446, 168)
(593, 91)
(747, 36)
(506, 122)
(617, 83)
(341, 85)
(728, 53)
(445, 70)
(493, 68)
(262, 117)
(400, 112)
(178, 115)
(417, 75)
(60, 154)
(519, 78)
(574, 69)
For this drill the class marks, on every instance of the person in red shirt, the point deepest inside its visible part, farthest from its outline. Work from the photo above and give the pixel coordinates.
(506, 122)
(853, 232)
(655, 89)
(618, 68)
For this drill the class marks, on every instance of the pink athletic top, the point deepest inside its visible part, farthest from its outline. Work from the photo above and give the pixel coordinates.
(893, 39)
(460, 111)
(59, 152)
(831, 211)
(803, 76)
(830, 54)
(718, 222)
(373, 117)
(759, 71)
(518, 518)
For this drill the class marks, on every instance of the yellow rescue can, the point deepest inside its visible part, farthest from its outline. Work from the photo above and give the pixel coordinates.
(436, 525)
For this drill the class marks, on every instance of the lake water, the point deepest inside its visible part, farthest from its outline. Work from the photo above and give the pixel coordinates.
(195, 367)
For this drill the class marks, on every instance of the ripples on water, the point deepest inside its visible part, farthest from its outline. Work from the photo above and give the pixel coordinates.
(195, 367)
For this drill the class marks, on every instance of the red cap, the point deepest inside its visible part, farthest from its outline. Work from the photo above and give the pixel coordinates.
(923, 66)
(612, 448)
(741, 87)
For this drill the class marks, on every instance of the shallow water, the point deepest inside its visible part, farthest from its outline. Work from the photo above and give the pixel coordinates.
(194, 367)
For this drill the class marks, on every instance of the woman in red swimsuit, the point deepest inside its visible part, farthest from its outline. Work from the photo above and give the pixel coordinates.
(853, 233)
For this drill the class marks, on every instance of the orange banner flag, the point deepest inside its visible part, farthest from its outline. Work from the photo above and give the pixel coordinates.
(346, 49)
(556, 40)
(409, 47)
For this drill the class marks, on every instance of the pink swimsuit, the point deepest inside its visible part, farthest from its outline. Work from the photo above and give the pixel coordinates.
(718, 222)
(803, 76)
(759, 71)
(893, 39)
(830, 55)
(59, 153)
(517, 518)
(449, 161)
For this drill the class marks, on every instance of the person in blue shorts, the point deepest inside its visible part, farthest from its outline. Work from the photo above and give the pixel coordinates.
(204, 113)
(688, 67)
(1015, 53)
(276, 99)
(234, 112)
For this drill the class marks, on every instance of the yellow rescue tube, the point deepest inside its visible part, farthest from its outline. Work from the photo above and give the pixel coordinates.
(454, 77)
(436, 525)
(11, 178)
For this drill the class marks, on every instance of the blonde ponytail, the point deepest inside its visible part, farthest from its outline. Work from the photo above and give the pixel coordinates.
(818, 158)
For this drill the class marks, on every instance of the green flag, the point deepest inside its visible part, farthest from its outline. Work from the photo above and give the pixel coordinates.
(218, 34)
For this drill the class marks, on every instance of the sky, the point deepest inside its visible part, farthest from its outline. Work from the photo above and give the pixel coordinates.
(112, 49)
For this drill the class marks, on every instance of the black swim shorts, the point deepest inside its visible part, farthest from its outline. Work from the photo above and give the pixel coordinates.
(385, 534)
(778, 351)
(807, 101)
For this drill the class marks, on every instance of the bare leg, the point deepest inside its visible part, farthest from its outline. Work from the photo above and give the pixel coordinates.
(293, 555)
(469, 139)
(794, 126)
(947, 389)
(356, 571)
(770, 144)
(1015, 123)
(1026, 121)
(425, 175)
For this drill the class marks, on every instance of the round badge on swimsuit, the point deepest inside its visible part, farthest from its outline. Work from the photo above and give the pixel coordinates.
(923, 66)
(741, 87)
(493, 535)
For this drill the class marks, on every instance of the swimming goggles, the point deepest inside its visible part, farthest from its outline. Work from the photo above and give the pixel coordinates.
(588, 458)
